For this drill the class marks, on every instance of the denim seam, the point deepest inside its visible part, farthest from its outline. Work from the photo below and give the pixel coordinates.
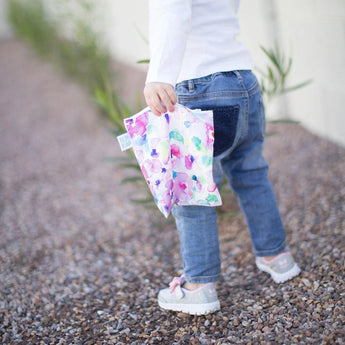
(201, 80)
(246, 104)
(219, 94)
(276, 250)
(254, 89)
(208, 78)
(212, 278)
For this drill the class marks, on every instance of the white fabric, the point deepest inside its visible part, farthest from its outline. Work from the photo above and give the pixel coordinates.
(194, 38)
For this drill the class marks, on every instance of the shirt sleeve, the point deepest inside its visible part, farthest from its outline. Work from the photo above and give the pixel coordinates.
(169, 24)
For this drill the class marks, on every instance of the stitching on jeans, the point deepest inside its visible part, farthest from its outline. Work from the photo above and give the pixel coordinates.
(265, 252)
(246, 103)
(216, 276)
(219, 94)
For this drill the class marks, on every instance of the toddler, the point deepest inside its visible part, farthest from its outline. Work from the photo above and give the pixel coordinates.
(195, 60)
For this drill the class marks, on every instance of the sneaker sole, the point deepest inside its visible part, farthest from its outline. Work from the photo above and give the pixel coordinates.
(192, 309)
(279, 277)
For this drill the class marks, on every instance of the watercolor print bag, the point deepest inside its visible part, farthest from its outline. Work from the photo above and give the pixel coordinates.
(175, 154)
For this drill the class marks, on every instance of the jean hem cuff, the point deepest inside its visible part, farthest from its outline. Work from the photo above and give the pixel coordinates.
(271, 252)
(203, 280)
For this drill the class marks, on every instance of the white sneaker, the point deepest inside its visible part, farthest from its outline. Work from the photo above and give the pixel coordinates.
(201, 301)
(281, 268)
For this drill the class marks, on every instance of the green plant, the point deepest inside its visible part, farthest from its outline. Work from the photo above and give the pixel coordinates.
(273, 81)
(81, 56)
(117, 111)
(29, 21)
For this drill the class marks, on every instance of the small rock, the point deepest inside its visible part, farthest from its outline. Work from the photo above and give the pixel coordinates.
(306, 282)
(183, 315)
(125, 331)
(267, 329)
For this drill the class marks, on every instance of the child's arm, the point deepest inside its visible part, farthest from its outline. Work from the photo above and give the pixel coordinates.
(169, 24)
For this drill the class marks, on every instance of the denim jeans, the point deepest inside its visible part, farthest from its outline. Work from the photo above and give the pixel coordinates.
(239, 121)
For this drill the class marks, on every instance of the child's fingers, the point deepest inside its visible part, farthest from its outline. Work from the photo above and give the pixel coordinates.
(154, 102)
(160, 97)
(166, 99)
(171, 93)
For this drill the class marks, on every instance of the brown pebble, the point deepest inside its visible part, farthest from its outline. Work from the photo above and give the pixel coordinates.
(76, 265)
(183, 315)
(267, 329)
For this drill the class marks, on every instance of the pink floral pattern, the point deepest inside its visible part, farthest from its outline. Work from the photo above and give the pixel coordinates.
(175, 154)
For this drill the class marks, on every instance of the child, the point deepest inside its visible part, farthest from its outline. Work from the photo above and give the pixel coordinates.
(197, 61)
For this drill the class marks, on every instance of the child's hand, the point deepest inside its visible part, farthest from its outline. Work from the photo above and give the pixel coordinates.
(160, 97)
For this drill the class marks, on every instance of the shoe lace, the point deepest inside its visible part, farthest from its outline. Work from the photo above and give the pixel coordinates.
(177, 281)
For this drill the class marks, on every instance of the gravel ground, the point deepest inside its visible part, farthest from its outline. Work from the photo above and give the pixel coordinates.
(81, 264)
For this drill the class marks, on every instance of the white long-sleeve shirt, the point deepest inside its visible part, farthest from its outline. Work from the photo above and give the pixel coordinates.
(194, 38)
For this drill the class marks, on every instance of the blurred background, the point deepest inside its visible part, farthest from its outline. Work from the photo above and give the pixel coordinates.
(81, 259)
(310, 33)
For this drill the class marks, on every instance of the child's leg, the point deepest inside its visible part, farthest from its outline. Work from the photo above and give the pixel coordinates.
(246, 170)
(257, 200)
(198, 232)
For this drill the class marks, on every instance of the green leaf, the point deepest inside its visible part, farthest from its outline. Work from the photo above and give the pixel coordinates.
(139, 101)
(270, 74)
(143, 61)
(270, 134)
(134, 166)
(114, 132)
(274, 77)
(283, 121)
(271, 56)
(226, 215)
(142, 201)
(132, 179)
(298, 86)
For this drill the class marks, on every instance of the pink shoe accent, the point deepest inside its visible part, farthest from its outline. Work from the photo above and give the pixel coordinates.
(275, 258)
(177, 281)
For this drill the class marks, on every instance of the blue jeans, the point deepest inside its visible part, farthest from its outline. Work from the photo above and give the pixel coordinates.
(239, 121)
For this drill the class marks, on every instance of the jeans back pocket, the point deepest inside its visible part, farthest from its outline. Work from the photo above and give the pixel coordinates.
(225, 119)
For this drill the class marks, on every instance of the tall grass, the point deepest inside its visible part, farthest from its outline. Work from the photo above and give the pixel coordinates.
(29, 21)
(80, 56)
(117, 110)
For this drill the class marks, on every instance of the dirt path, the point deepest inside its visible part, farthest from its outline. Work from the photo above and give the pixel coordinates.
(80, 264)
